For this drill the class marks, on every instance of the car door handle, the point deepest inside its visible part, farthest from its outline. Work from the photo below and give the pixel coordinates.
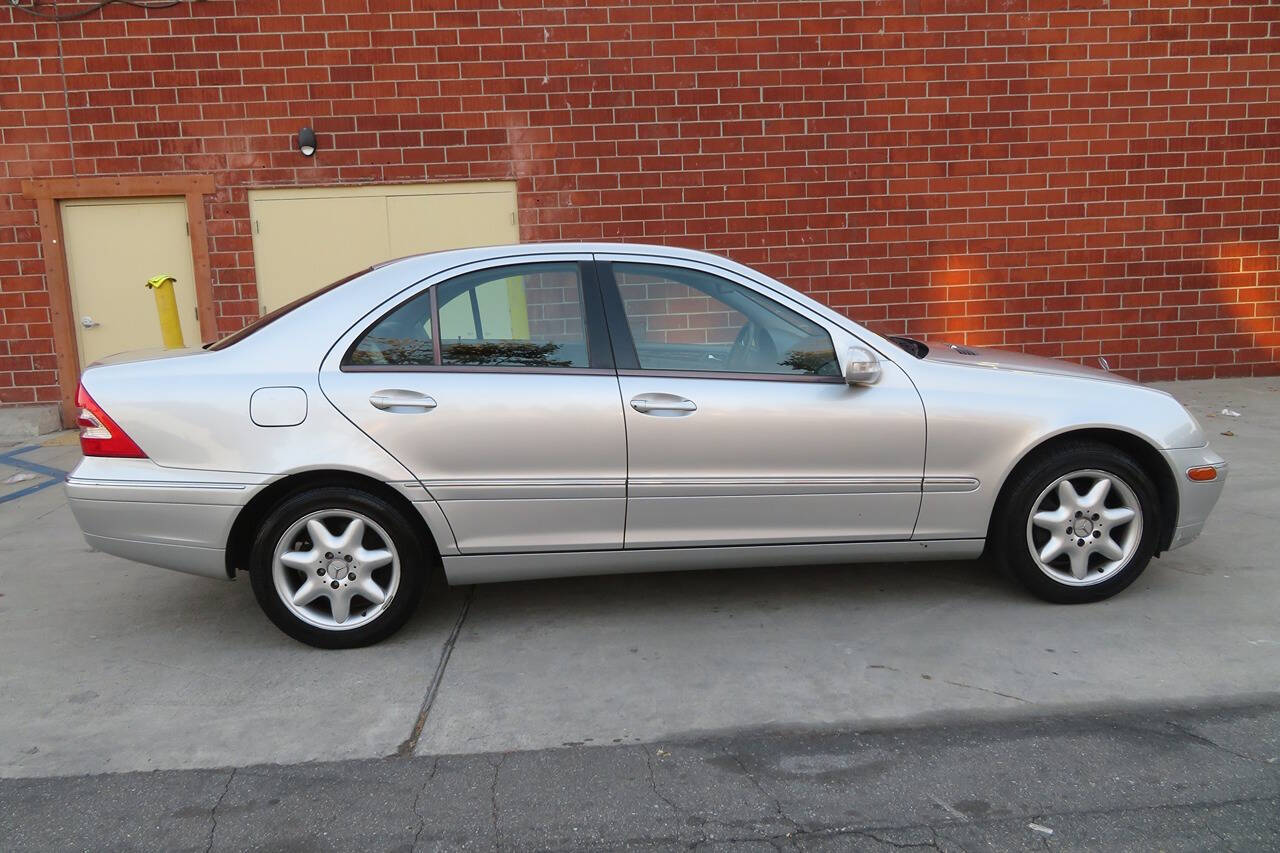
(667, 403)
(396, 400)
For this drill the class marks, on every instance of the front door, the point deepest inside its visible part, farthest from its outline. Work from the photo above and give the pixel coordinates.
(740, 427)
(495, 388)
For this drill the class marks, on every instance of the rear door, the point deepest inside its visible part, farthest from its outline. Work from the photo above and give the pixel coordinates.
(494, 385)
(740, 427)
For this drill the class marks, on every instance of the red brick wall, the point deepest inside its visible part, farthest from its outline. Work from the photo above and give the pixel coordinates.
(1074, 177)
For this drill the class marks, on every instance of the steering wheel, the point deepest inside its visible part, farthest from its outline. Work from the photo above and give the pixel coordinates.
(753, 348)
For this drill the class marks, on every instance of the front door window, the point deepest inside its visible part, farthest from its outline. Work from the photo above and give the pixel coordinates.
(683, 319)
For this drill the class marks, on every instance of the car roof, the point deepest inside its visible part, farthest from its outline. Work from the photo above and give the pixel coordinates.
(568, 247)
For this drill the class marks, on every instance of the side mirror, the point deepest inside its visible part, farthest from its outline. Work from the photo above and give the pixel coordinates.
(861, 367)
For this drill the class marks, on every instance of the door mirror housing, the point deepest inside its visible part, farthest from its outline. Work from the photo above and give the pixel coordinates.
(861, 367)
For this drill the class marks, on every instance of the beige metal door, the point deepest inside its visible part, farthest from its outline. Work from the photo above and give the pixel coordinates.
(432, 222)
(305, 238)
(113, 246)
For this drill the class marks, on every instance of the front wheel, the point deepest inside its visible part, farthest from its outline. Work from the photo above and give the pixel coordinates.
(337, 568)
(1078, 525)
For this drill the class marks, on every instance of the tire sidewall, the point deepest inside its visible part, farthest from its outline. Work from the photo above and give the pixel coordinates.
(405, 539)
(1015, 554)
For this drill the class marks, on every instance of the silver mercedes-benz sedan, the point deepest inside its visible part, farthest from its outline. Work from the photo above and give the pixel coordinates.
(568, 409)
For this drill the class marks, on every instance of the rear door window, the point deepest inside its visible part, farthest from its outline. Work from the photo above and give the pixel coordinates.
(525, 315)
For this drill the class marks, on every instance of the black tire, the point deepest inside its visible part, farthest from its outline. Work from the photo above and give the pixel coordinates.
(1009, 525)
(412, 554)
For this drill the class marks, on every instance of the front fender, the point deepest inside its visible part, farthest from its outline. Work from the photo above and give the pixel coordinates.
(981, 423)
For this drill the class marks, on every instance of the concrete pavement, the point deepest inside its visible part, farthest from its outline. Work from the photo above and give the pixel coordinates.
(111, 666)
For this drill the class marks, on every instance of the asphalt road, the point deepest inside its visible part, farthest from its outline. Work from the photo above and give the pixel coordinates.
(114, 668)
(1154, 780)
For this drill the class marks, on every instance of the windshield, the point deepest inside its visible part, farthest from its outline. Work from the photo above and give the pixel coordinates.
(272, 316)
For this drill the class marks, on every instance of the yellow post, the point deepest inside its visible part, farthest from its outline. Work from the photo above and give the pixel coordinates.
(519, 309)
(167, 308)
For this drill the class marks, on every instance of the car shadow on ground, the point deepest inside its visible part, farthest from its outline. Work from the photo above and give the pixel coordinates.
(882, 585)
(904, 586)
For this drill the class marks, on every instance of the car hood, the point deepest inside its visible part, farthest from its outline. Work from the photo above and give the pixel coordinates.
(995, 359)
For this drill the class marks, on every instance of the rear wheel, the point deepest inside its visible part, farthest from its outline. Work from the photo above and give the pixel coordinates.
(1078, 525)
(336, 567)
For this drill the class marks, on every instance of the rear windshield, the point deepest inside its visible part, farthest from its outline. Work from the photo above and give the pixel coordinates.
(272, 316)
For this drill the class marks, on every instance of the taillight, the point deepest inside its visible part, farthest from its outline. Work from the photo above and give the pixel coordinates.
(99, 435)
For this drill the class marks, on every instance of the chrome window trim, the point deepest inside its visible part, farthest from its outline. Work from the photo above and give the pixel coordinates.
(725, 374)
(474, 368)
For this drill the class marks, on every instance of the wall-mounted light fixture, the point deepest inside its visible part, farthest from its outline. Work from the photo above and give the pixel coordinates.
(307, 141)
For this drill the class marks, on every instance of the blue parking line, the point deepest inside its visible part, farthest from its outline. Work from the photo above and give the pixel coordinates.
(28, 490)
(11, 459)
(34, 467)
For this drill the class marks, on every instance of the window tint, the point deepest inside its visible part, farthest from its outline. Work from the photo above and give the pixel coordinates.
(519, 316)
(402, 337)
(684, 319)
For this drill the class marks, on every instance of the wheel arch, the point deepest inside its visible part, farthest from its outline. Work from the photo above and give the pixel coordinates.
(240, 539)
(1144, 453)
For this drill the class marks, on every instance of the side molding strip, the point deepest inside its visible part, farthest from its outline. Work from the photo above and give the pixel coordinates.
(950, 484)
(487, 568)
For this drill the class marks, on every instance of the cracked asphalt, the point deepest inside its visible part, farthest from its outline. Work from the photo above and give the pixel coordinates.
(861, 707)
(1190, 779)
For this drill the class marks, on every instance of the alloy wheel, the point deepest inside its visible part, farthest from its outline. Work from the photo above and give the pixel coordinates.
(1085, 527)
(336, 569)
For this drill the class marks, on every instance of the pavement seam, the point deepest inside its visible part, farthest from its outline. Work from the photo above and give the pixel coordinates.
(410, 743)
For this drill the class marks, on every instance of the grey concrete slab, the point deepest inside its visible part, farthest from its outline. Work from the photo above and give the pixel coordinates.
(640, 658)
(113, 666)
(1134, 781)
